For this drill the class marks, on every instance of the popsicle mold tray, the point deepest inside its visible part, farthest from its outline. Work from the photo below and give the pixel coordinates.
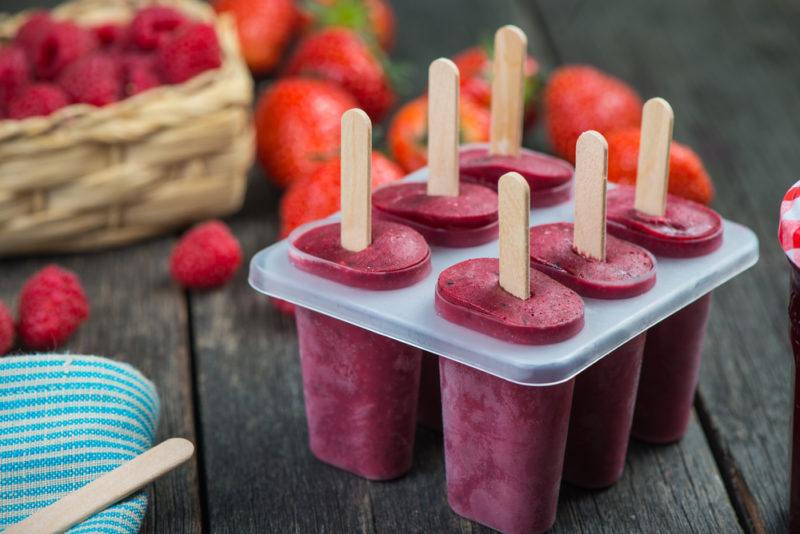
(408, 314)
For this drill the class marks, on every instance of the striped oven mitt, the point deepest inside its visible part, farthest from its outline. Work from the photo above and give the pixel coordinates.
(64, 421)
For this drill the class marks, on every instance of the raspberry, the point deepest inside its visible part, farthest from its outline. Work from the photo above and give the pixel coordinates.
(140, 73)
(189, 52)
(95, 79)
(14, 72)
(206, 256)
(33, 30)
(111, 36)
(153, 25)
(39, 99)
(60, 44)
(6, 329)
(51, 307)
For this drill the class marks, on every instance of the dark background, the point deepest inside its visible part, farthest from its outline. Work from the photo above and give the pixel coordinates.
(226, 363)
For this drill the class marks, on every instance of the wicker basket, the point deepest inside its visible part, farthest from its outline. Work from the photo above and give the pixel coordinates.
(85, 177)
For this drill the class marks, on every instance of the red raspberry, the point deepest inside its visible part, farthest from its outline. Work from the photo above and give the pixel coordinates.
(6, 329)
(14, 72)
(33, 30)
(59, 45)
(40, 99)
(206, 256)
(95, 79)
(192, 50)
(140, 73)
(51, 307)
(111, 36)
(153, 25)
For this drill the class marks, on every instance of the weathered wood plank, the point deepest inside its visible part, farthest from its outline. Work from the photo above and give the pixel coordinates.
(731, 74)
(137, 316)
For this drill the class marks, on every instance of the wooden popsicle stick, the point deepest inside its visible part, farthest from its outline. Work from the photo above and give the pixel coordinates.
(356, 177)
(515, 242)
(106, 490)
(443, 89)
(591, 174)
(508, 91)
(652, 174)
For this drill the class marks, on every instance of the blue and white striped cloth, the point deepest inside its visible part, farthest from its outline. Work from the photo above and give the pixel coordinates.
(64, 421)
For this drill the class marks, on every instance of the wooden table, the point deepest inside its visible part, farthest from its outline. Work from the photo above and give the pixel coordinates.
(226, 364)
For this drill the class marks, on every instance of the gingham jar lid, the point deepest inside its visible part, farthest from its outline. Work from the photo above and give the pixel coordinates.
(789, 225)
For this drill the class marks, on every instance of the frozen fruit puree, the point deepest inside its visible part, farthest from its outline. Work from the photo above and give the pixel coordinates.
(469, 294)
(687, 229)
(465, 220)
(504, 448)
(672, 352)
(628, 270)
(397, 257)
(360, 388)
(549, 178)
(605, 393)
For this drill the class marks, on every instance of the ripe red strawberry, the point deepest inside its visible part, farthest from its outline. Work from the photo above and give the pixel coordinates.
(408, 132)
(475, 66)
(95, 79)
(14, 73)
(298, 124)
(207, 256)
(52, 305)
(139, 73)
(372, 19)
(154, 25)
(687, 175)
(580, 98)
(317, 195)
(39, 99)
(264, 27)
(341, 56)
(6, 329)
(57, 45)
(193, 49)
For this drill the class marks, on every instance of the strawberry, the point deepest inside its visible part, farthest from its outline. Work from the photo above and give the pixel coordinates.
(265, 28)
(372, 19)
(192, 49)
(687, 175)
(408, 132)
(38, 99)
(475, 67)
(341, 56)
(95, 79)
(580, 98)
(153, 26)
(14, 73)
(317, 195)
(298, 123)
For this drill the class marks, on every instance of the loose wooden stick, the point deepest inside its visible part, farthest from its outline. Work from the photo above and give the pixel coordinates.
(591, 174)
(356, 177)
(443, 88)
(515, 241)
(652, 175)
(107, 489)
(508, 90)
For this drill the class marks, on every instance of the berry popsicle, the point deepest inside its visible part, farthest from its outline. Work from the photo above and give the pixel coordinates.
(549, 178)
(504, 443)
(360, 388)
(671, 227)
(446, 214)
(583, 258)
